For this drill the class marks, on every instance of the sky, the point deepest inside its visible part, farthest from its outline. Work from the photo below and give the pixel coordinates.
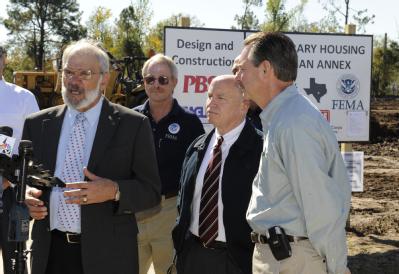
(220, 13)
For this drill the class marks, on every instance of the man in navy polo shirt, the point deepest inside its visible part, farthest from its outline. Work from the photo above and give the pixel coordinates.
(174, 129)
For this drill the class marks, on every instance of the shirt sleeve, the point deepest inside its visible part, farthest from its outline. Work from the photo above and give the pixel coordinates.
(318, 177)
(31, 105)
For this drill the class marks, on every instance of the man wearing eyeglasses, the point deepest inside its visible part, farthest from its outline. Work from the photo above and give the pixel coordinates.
(105, 155)
(15, 104)
(174, 129)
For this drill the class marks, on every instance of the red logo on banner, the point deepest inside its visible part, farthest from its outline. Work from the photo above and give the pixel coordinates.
(196, 83)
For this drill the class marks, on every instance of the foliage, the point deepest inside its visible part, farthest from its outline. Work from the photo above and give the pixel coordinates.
(361, 17)
(99, 27)
(16, 61)
(132, 26)
(154, 40)
(278, 18)
(248, 20)
(41, 27)
(385, 67)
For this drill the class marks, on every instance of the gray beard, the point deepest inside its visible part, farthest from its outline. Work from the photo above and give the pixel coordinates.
(89, 98)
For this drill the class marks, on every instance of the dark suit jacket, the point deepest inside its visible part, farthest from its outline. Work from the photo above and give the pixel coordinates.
(123, 151)
(240, 168)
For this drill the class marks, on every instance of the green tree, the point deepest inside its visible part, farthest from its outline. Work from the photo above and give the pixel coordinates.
(385, 66)
(41, 27)
(100, 28)
(360, 17)
(154, 40)
(248, 20)
(132, 27)
(280, 19)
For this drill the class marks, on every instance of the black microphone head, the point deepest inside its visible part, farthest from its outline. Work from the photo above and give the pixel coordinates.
(6, 131)
(25, 144)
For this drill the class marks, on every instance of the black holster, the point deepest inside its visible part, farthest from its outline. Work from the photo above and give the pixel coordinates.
(279, 243)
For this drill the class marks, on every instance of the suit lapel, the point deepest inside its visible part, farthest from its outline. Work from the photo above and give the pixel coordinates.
(107, 124)
(52, 127)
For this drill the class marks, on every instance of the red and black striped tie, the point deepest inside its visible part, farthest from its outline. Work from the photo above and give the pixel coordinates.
(208, 216)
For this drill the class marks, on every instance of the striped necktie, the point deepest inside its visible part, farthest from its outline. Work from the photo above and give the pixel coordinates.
(208, 217)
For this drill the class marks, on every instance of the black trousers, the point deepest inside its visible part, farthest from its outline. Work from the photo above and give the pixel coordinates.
(64, 257)
(196, 259)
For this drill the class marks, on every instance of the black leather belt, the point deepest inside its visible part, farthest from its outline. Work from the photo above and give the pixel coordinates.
(213, 245)
(262, 239)
(170, 194)
(69, 237)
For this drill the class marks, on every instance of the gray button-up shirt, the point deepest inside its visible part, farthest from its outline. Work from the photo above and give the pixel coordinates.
(302, 183)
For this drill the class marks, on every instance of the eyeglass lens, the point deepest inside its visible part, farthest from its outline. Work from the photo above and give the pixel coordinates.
(81, 74)
(162, 80)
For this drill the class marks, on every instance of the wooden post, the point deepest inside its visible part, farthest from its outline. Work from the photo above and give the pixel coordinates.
(184, 21)
(347, 147)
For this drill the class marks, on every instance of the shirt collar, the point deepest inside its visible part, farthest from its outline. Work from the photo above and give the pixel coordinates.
(174, 111)
(232, 135)
(91, 115)
(267, 113)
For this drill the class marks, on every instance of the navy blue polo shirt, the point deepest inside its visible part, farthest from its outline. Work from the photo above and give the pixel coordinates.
(172, 136)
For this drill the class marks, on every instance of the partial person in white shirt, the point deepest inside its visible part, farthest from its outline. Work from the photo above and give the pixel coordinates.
(15, 104)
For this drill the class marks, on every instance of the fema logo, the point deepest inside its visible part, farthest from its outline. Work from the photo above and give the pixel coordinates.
(348, 86)
(174, 128)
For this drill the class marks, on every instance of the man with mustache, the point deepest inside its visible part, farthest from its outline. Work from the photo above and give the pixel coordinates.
(105, 155)
(174, 129)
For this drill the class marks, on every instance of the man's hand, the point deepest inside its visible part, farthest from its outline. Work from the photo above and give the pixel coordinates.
(36, 207)
(6, 183)
(96, 190)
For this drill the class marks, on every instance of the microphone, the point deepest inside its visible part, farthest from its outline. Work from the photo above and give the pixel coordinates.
(7, 142)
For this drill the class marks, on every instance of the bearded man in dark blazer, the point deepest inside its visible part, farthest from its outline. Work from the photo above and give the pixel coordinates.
(230, 249)
(89, 227)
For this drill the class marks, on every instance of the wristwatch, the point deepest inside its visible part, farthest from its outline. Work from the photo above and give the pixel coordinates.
(117, 194)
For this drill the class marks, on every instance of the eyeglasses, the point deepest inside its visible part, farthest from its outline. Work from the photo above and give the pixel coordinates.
(81, 74)
(162, 80)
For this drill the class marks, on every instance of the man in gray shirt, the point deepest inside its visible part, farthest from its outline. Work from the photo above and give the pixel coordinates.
(302, 187)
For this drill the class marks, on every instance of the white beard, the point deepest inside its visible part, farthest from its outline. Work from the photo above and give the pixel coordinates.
(90, 96)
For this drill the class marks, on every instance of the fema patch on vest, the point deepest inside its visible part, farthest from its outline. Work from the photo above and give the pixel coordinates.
(174, 128)
(348, 86)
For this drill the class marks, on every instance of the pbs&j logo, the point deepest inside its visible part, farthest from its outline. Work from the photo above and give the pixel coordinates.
(348, 86)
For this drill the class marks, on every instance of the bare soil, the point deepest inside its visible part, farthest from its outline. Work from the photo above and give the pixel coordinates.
(373, 234)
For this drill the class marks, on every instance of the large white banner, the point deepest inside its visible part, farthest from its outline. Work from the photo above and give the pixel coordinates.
(334, 71)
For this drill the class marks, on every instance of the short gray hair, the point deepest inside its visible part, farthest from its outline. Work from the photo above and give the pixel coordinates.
(90, 48)
(160, 59)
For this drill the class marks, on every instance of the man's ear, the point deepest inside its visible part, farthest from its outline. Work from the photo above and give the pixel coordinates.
(174, 81)
(104, 81)
(265, 66)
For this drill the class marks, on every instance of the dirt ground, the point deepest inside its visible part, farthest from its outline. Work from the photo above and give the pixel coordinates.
(373, 235)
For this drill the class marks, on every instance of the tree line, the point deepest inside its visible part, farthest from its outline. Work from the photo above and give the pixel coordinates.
(39, 29)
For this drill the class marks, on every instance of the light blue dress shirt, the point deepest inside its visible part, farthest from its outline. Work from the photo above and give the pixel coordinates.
(92, 115)
(302, 183)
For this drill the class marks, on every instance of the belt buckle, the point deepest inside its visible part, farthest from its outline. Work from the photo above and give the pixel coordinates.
(69, 237)
(204, 245)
